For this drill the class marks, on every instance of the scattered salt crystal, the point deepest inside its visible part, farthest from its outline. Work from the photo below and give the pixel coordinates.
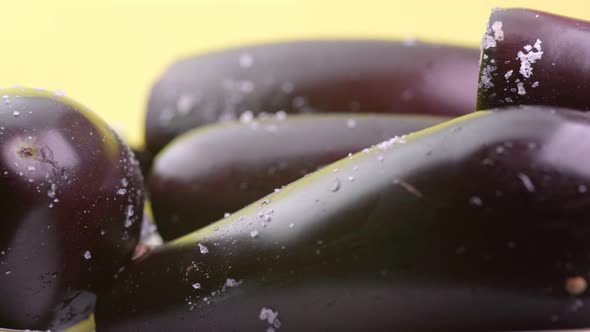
(526, 182)
(389, 143)
(124, 182)
(232, 283)
(87, 255)
(270, 316)
(121, 191)
(535, 84)
(485, 81)
(529, 58)
(247, 117)
(281, 115)
(16, 113)
(246, 60)
(498, 32)
(51, 191)
(521, 90)
(185, 103)
(254, 234)
(196, 285)
(508, 74)
(227, 214)
(476, 201)
(203, 249)
(492, 35)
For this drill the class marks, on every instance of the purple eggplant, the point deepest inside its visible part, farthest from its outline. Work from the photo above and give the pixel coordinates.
(72, 198)
(478, 224)
(311, 76)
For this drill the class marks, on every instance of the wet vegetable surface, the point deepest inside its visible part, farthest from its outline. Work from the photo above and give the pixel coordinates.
(217, 170)
(311, 76)
(72, 204)
(478, 224)
(535, 58)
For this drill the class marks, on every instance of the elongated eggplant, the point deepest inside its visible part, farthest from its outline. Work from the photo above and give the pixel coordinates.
(71, 209)
(534, 58)
(220, 169)
(309, 76)
(478, 224)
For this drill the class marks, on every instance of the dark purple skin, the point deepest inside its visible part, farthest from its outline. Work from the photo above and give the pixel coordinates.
(559, 76)
(371, 76)
(72, 204)
(220, 169)
(476, 224)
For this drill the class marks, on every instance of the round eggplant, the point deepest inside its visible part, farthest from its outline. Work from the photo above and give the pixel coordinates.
(72, 201)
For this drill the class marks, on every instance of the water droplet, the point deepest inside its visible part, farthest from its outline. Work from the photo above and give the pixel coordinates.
(335, 186)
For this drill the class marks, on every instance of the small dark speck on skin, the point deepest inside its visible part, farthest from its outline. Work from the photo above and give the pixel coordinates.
(26, 152)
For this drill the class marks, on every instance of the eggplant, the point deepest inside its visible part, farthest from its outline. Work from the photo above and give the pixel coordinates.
(477, 224)
(534, 58)
(311, 76)
(218, 169)
(145, 159)
(72, 201)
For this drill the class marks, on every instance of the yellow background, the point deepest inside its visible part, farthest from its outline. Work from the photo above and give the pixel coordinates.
(107, 53)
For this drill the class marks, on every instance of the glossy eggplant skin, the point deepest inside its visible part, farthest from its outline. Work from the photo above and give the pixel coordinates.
(71, 207)
(220, 169)
(534, 58)
(145, 159)
(472, 225)
(311, 76)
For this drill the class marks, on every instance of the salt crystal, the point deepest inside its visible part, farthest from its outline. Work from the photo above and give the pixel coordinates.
(124, 182)
(203, 249)
(254, 234)
(508, 74)
(51, 191)
(535, 84)
(246, 60)
(521, 90)
(526, 182)
(476, 201)
(196, 285)
(16, 113)
(121, 191)
(529, 58)
(246, 117)
(232, 283)
(270, 316)
(87, 255)
(227, 214)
